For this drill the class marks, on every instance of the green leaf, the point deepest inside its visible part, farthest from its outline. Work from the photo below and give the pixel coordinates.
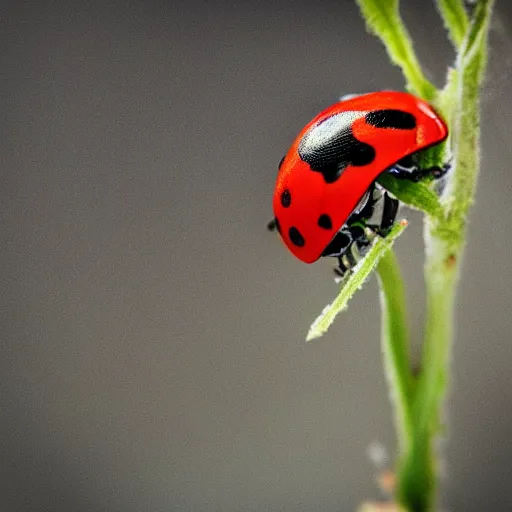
(416, 195)
(354, 281)
(455, 19)
(383, 19)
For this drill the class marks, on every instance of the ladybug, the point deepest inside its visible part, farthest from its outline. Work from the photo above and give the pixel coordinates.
(326, 200)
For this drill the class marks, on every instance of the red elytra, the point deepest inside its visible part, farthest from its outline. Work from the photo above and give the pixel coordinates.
(303, 195)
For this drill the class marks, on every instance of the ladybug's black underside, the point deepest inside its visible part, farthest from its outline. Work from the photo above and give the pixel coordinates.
(376, 216)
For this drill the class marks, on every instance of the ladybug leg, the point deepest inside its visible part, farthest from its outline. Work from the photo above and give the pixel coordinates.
(348, 260)
(383, 214)
(375, 218)
(389, 213)
(340, 271)
(438, 172)
(362, 237)
(273, 225)
(405, 169)
(337, 249)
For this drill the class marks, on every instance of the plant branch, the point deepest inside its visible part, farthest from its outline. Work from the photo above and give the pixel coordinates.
(354, 280)
(383, 19)
(444, 244)
(395, 345)
(455, 19)
(418, 401)
(445, 240)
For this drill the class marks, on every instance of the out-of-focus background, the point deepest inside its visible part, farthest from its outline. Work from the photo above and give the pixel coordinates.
(152, 352)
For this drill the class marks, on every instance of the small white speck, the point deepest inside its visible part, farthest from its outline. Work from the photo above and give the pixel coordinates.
(349, 96)
(377, 454)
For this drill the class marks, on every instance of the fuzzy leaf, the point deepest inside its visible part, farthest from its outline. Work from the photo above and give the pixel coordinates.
(354, 281)
(455, 19)
(416, 195)
(383, 19)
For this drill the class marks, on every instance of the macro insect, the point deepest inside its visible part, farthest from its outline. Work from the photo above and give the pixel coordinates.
(326, 200)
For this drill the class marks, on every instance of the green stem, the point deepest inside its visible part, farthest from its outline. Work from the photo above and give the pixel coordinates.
(445, 240)
(444, 243)
(418, 402)
(395, 345)
(441, 272)
(417, 475)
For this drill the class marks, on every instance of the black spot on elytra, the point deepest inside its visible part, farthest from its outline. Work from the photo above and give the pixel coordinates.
(324, 221)
(337, 245)
(329, 146)
(286, 198)
(295, 236)
(391, 118)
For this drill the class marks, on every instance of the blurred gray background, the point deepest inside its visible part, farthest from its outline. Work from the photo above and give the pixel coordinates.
(153, 354)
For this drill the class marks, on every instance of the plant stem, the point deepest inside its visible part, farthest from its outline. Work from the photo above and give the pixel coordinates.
(444, 245)
(417, 475)
(418, 402)
(441, 272)
(395, 345)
